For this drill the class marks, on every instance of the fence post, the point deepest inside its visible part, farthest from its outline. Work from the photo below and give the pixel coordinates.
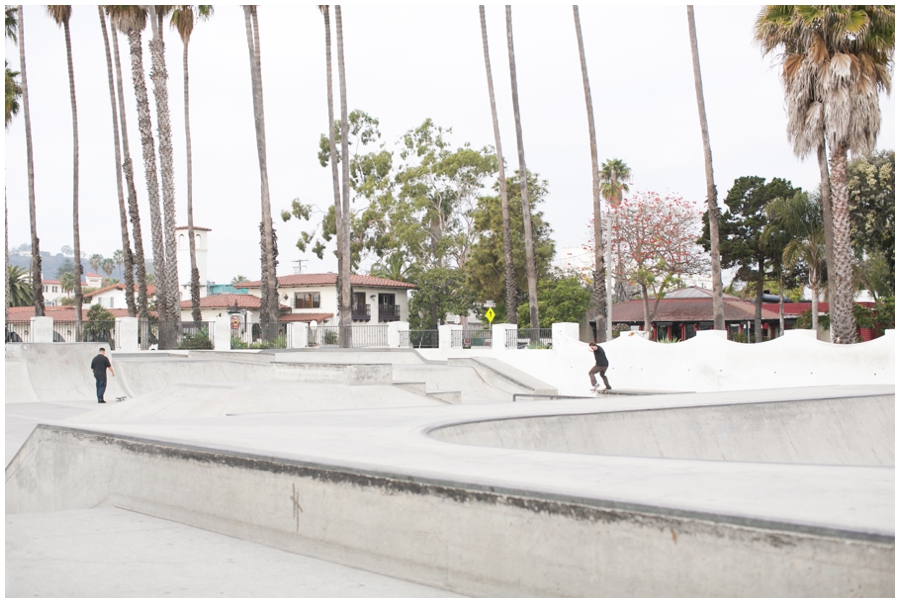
(299, 334)
(498, 335)
(127, 334)
(562, 330)
(394, 329)
(41, 329)
(222, 333)
(445, 337)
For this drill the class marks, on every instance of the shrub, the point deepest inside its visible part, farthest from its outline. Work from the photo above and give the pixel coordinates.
(330, 337)
(237, 343)
(196, 341)
(804, 320)
(863, 316)
(884, 313)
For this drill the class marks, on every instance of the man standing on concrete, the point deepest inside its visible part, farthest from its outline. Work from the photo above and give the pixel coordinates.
(99, 365)
(600, 366)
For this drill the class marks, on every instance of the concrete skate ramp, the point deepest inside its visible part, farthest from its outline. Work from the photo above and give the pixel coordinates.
(205, 400)
(466, 380)
(54, 372)
(855, 431)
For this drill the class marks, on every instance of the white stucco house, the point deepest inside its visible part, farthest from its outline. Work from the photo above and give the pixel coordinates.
(313, 296)
(113, 296)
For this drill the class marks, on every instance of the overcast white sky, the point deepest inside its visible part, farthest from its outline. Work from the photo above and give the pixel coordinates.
(403, 65)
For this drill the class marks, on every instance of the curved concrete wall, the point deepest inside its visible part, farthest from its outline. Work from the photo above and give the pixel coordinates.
(846, 431)
(709, 362)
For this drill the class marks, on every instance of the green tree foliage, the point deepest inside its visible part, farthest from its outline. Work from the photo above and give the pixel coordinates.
(872, 217)
(561, 298)
(67, 265)
(99, 325)
(20, 291)
(741, 232)
(485, 266)
(440, 291)
(13, 93)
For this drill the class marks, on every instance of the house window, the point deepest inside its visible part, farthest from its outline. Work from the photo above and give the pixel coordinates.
(306, 300)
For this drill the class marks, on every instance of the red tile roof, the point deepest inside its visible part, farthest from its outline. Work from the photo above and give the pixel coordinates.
(304, 317)
(151, 290)
(688, 310)
(330, 278)
(228, 300)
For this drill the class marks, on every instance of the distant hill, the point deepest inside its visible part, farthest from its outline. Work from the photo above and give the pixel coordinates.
(51, 263)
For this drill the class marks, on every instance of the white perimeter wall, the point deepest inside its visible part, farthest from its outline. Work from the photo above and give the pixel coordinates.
(708, 362)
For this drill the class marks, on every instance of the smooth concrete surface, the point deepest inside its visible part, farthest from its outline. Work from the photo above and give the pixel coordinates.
(831, 431)
(110, 552)
(370, 489)
(21, 419)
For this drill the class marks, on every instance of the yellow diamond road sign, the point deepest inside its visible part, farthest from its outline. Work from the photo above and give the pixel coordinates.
(490, 315)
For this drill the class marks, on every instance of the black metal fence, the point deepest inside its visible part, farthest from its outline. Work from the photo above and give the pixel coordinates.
(168, 335)
(18, 332)
(419, 339)
(529, 338)
(261, 335)
(471, 338)
(357, 336)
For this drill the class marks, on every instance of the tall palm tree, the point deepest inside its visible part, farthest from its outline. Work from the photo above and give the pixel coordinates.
(269, 282)
(138, 262)
(132, 20)
(36, 282)
(712, 202)
(509, 272)
(601, 308)
(61, 13)
(124, 255)
(523, 179)
(799, 223)
(95, 261)
(335, 179)
(159, 77)
(183, 17)
(836, 59)
(613, 176)
(345, 319)
(13, 93)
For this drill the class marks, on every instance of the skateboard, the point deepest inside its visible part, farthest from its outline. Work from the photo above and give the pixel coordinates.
(120, 398)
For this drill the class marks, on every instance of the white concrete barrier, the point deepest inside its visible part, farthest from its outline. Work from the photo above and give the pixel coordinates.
(127, 334)
(41, 329)
(299, 335)
(498, 335)
(394, 329)
(222, 336)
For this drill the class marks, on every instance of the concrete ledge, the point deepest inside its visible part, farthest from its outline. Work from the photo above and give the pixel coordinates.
(351, 374)
(448, 397)
(483, 540)
(503, 376)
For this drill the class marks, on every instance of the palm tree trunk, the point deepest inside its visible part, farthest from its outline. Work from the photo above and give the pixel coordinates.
(335, 177)
(79, 300)
(269, 307)
(159, 77)
(711, 195)
(123, 216)
(138, 263)
(150, 174)
(781, 301)
(825, 204)
(599, 291)
(757, 317)
(346, 338)
(843, 326)
(37, 285)
(523, 179)
(195, 272)
(512, 310)
(815, 306)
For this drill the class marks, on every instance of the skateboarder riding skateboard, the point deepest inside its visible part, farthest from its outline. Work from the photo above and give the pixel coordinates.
(601, 364)
(99, 365)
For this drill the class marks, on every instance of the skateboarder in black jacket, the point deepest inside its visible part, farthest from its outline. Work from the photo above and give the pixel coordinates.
(99, 365)
(601, 364)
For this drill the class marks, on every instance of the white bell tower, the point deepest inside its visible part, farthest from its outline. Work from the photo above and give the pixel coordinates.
(201, 244)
